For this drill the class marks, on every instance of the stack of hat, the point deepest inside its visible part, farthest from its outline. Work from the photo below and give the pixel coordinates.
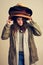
(20, 10)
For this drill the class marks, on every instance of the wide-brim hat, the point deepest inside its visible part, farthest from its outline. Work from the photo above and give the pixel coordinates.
(20, 10)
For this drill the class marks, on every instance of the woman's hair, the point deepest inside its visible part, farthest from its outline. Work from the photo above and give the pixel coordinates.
(15, 26)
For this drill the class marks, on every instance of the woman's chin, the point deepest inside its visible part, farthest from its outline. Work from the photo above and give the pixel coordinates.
(20, 25)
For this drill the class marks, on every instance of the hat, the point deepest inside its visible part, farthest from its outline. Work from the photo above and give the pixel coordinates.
(20, 10)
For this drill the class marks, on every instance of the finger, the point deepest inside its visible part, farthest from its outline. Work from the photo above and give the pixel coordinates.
(9, 18)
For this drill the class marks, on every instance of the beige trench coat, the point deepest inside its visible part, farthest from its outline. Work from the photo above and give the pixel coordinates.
(33, 28)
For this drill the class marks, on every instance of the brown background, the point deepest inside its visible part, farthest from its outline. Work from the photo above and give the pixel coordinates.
(37, 7)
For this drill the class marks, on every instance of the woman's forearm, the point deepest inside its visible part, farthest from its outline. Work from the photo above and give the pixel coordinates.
(6, 32)
(35, 28)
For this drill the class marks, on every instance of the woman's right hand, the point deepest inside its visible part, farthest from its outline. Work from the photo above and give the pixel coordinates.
(9, 21)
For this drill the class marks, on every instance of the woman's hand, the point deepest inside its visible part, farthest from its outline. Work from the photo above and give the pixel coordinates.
(9, 21)
(30, 20)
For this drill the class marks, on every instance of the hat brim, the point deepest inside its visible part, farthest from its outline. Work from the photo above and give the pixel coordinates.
(22, 15)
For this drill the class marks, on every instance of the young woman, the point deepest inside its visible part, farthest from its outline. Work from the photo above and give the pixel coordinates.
(22, 49)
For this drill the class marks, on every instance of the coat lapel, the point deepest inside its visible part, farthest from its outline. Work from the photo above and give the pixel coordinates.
(25, 46)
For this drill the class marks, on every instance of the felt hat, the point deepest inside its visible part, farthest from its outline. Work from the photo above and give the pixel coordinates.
(21, 11)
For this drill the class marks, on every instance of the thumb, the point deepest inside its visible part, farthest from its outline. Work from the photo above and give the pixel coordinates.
(9, 18)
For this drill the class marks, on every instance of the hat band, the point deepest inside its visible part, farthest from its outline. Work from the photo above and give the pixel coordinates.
(22, 15)
(19, 12)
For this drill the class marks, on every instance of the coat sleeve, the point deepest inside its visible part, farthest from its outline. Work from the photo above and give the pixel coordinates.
(35, 28)
(5, 32)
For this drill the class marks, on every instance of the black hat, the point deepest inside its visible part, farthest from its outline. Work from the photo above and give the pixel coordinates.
(20, 10)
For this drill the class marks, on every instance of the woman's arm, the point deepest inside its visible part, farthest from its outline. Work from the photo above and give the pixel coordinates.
(6, 30)
(35, 28)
